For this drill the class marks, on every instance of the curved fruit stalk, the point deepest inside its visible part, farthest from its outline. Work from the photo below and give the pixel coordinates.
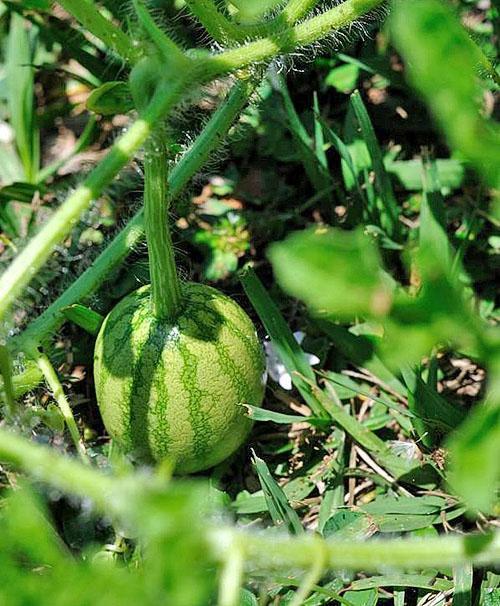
(175, 388)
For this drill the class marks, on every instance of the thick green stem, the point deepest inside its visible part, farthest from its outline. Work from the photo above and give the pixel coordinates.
(113, 37)
(291, 13)
(29, 261)
(209, 139)
(165, 285)
(284, 41)
(300, 552)
(122, 498)
(62, 401)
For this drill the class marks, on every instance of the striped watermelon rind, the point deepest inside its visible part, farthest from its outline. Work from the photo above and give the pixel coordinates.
(175, 389)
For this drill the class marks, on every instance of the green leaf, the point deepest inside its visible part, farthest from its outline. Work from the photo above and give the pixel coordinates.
(389, 211)
(297, 489)
(343, 78)
(463, 577)
(287, 348)
(276, 500)
(20, 86)
(111, 98)
(432, 230)
(261, 414)
(312, 156)
(367, 597)
(475, 457)
(346, 524)
(441, 62)
(333, 271)
(434, 416)
(84, 317)
(450, 173)
(422, 581)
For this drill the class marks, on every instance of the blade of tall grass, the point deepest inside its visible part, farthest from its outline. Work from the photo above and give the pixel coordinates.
(20, 91)
(277, 503)
(310, 149)
(389, 211)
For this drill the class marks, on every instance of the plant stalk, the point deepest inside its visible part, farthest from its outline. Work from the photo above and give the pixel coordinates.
(165, 285)
(123, 497)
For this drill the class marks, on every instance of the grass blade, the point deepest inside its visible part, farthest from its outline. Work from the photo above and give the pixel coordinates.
(282, 338)
(279, 508)
(389, 210)
(20, 85)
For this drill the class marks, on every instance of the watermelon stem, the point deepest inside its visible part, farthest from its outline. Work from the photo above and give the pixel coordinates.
(165, 285)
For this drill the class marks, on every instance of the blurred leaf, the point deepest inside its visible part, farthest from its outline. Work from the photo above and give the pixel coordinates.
(442, 62)
(463, 578)
(432, 231)
(421, 581)
(450, 173)
(475, 457)
(343, 78)
(335, 272)
(20, 191)
(367, 597)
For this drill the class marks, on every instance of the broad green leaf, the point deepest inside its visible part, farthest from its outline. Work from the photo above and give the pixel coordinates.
(366, 597)
(346, 524)
(450, 173)
(335, 272)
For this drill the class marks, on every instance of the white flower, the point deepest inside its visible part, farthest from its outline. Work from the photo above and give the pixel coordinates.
(275, 366)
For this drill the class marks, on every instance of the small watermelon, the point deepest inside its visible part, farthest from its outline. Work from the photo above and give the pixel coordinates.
(175, 389)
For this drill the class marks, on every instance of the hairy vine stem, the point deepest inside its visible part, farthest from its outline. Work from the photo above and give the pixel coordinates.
(121, 497)
(132, 234)
(201, 69)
